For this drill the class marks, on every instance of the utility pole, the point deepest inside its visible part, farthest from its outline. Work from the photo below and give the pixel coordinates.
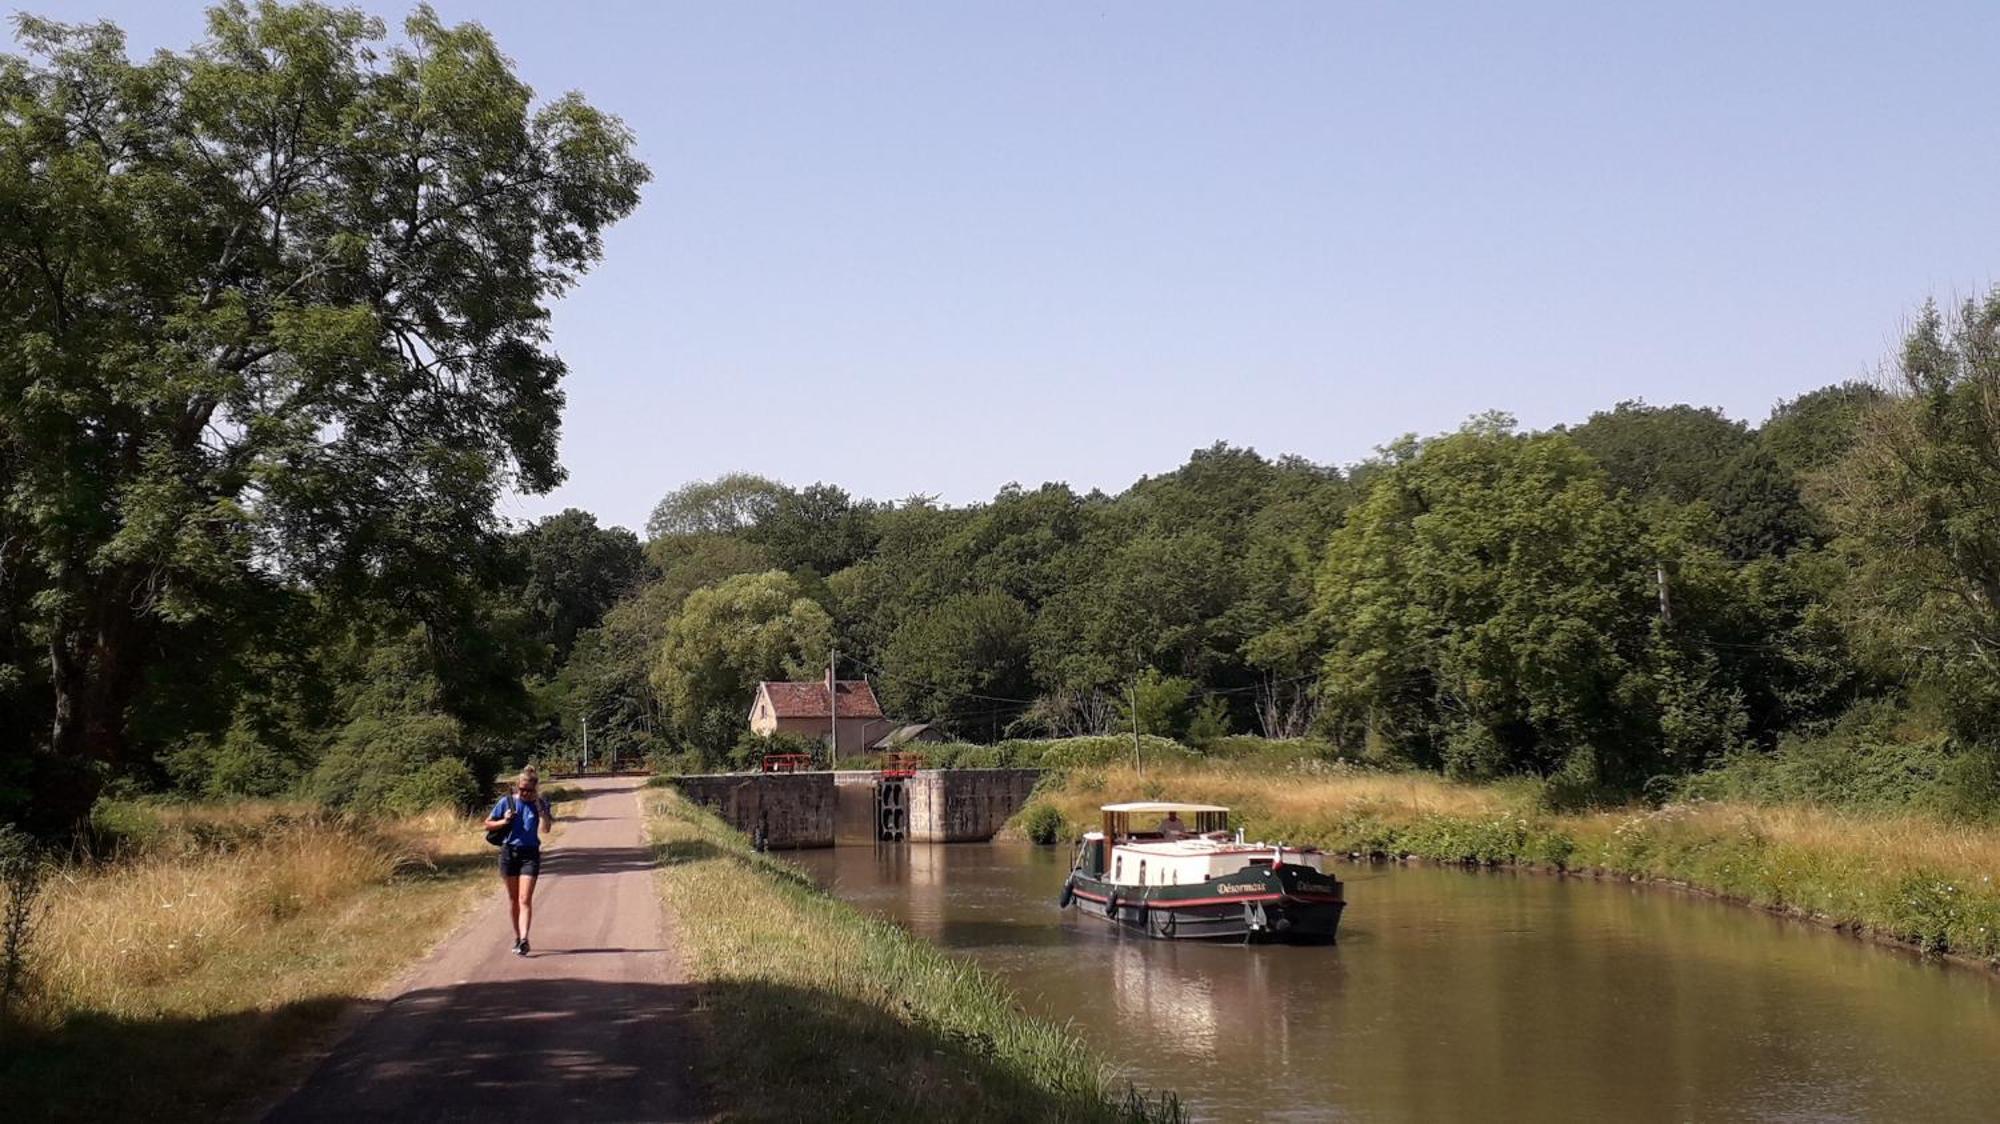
(1666, 604)
(833, 708)
(1132, 693)
(586, 743)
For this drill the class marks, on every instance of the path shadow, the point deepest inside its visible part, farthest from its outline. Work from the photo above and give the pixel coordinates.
(541, 1049)
(560, 1049)
(570, 1049)
(99, 1067)
(584, 862)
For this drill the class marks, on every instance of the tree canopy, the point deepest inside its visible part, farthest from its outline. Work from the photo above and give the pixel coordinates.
(277, 318)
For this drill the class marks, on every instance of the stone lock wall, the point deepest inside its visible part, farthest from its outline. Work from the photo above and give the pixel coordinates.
(794, 809)
(966, 805)
(818, 809)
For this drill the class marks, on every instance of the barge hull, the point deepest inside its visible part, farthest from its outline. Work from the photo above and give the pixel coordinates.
(1281, 919)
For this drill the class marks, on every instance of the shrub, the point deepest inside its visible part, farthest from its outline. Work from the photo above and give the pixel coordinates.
(668, 761)
(1209, 722)
(1969, 785)
(374, 758)
(1044, 823)
(1862, 767)
(21, 872)
(444, 783)
(751, 749)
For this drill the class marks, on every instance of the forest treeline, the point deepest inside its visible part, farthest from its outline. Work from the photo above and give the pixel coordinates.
(274, 340)
(1798, 609)
(1801, 609)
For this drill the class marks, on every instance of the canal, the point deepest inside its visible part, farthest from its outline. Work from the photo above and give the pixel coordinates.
(1463, 995)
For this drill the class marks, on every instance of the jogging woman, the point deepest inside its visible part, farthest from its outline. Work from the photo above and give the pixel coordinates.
(523, 813)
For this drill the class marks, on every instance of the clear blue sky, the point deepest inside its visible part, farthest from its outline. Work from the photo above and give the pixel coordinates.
(937, 247)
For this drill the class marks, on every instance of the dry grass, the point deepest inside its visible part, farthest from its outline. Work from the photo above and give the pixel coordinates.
(172, 930)
(1914, 879)
(1297, 794)
(184, 973)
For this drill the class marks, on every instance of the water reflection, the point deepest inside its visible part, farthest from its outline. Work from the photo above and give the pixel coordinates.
(1466, 996)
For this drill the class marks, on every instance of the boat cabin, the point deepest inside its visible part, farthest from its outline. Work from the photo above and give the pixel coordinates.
(1161, 843)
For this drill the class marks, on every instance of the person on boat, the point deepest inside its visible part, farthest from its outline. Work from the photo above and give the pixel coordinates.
(523, 813)
(1172, 827)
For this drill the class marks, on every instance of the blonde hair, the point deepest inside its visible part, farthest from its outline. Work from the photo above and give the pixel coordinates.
(527, 774)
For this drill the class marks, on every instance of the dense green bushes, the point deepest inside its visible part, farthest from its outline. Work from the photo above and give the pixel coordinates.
(400, 763)
(1854, 769)
(1052, 753)
(1044, 823)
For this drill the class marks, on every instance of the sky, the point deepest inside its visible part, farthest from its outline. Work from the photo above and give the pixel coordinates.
(934, 248)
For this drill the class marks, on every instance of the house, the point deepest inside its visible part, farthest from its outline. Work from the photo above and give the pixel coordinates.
(916, 732)
(801, 708)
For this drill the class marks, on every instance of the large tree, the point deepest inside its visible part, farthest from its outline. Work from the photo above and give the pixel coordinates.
(724, 639)
(576, 571)
(1491, 607)
(1914, 502)
(272, 309)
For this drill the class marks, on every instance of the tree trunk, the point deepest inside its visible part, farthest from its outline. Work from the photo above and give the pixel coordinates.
(95, 670)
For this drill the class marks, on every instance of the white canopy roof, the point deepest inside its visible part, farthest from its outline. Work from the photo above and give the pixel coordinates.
(1163, 806)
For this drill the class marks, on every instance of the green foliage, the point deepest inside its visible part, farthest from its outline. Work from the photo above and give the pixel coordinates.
(1879, 757)
(960, 663)
(1912, 501)
(1676, 453)
(1159, 703)
(712, 508)
(821, 529)
(751, 749)
(1208, 723)
(1044, 823)
(22, 872)
(1054, 753)
(396, 762)
(1489, 608)
(281, 324)
(575, 572)
(725, 639)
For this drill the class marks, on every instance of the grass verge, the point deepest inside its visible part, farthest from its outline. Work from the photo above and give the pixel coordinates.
(813, 1010)
(1909, 879)
(187, 977)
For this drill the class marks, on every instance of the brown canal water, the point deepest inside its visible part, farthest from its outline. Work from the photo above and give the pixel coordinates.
(1470, 996)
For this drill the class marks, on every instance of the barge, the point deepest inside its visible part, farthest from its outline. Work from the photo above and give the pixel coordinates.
(1192, 879)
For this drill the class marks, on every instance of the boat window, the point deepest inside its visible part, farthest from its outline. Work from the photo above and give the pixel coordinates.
(1118, 868)
(1142, 872)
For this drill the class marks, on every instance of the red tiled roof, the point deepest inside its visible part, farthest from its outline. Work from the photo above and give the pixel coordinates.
(808, 700)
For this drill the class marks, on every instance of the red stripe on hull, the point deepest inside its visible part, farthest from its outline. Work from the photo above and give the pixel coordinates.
(1176, 903)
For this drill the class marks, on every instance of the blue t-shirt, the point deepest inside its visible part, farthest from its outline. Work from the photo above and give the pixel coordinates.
(525, 832)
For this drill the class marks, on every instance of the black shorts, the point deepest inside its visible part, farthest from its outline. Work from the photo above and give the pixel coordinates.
(520, 860)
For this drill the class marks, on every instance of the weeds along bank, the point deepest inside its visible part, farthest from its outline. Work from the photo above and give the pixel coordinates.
(181, 977)
(814, 1011)
(1915, 879)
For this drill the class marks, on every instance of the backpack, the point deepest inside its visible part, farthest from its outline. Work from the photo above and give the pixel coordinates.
(498, 835)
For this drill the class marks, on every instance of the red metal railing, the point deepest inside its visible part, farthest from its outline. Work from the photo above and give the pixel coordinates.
(787, 762)
(901, 765)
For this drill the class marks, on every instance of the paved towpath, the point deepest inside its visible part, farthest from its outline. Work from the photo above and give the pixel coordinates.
(594, 1025)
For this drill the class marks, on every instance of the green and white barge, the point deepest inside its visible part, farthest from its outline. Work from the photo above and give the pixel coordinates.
(1149, 870)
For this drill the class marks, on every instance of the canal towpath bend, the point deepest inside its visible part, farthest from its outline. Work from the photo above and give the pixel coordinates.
(595, 1024)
